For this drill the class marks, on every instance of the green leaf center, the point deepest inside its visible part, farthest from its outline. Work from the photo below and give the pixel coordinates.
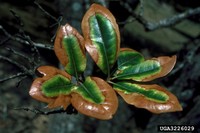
(57, 85)
(104, 38)
(90, 91)
(151, 94)
(77, 60)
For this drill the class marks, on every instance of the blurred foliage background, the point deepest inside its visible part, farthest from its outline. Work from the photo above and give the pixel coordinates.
(27, 31)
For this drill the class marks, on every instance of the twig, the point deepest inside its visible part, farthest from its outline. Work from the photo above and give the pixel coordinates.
(18, 39)
(4, 41)
(48, 14)
(57, 20)
(26, 37)
(188, 57)
(35, 52)
(31, 61)
(19, 54)
(23, 68)
(37, 111)
(20, 80)
(18, 19)
(13, 76)
(69, 110)
(25, 71)
(150, 26)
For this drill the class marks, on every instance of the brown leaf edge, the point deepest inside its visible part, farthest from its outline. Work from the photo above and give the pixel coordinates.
(95, 8)
(63, 31)
(167, 64)
(35, 90)
(103, 111)
(140, 101)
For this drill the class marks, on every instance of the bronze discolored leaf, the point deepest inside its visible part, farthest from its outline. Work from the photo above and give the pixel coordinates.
(104, 110)
(36, 88)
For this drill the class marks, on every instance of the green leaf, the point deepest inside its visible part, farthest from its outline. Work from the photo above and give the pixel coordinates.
(90, 91)
(151, 97)
(57, 85)
(151, 94)
(69, 48)
(139, 71)
(101, 33)
(128, 57)
(77, 60)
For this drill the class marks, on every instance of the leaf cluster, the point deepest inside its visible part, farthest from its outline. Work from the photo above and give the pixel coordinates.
(92, 95)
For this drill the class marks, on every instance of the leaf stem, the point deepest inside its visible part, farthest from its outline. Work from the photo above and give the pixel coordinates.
(111, 82)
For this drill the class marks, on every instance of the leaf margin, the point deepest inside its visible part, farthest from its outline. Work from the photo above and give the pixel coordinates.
(60, 51)
(140, 101)
(36, 92)
(90, 47)
(166, 65)
(103, 111)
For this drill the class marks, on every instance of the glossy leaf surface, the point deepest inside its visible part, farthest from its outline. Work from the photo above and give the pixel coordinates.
(36, 90)
(57, 85)
(105, 109)
(147, 70)
(139, 71)
(151, 97)
(167, 64)
(101, 33)
(90, 91)
(151, 94)
(128, 57)
(69, 48)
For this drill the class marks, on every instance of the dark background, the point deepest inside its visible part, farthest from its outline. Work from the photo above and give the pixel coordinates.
(27, 31)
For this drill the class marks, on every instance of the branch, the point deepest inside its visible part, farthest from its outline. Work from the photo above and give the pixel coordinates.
(150, 26)
(25, 71)
(33, 60)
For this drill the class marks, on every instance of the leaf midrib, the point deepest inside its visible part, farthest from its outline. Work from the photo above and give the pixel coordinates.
(74, 63)
(127, 61)
(129, 74)
(89, 93)
(72, 57)
(64, 86)
(141, 92)
(104, 48)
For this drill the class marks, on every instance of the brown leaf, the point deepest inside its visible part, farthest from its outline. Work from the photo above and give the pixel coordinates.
(102, 111)
(36, 92)
(140, 101)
